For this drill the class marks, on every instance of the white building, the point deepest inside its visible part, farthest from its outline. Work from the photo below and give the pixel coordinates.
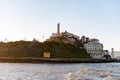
(95, 49)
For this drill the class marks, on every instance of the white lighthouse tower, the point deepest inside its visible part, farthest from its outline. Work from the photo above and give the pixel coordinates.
(112, 53)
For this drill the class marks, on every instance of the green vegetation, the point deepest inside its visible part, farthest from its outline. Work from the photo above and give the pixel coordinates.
(36, 49)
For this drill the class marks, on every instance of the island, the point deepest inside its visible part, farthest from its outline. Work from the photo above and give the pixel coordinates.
(33, 52)
(61, 47)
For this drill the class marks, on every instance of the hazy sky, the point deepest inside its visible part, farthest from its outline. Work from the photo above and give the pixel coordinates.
(20, 19)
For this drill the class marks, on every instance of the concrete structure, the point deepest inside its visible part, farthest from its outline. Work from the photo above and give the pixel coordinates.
(95, 49)
(69, 38)
(85, 39)
(58, 34)
(70, 35)
(66, 37)
(58, 28)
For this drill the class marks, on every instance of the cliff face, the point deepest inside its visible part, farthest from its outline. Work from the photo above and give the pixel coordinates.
(36, 49)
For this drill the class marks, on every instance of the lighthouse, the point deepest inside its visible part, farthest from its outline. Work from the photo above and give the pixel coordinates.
(112, 52)
(58, 28)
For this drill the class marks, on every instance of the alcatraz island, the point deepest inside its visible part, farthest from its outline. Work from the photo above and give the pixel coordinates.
(61, 47)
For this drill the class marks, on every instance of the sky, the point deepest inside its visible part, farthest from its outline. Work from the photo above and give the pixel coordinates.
(28, 19)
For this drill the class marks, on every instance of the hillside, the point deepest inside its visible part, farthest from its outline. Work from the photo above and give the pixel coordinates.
(36, 49)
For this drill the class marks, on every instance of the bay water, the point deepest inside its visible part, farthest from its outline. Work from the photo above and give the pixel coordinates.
(56, 71)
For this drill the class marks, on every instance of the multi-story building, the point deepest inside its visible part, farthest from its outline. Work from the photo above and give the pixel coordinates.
(67, 38)
(95, 49)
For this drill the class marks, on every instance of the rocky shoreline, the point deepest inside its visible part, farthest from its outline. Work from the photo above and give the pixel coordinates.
(51, 60)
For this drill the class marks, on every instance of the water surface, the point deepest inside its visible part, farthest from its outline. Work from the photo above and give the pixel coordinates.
(45, 71)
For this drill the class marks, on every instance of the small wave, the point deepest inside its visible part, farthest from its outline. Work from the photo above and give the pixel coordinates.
(85, 73)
